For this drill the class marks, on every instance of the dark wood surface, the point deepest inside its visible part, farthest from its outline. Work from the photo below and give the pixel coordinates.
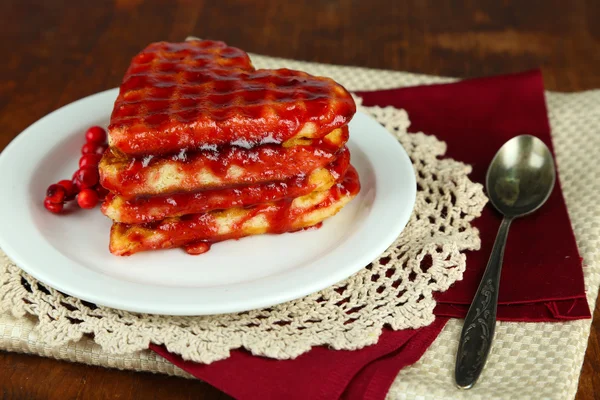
(56, 52)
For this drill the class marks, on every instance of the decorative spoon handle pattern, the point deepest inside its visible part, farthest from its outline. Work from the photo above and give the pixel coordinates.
(478, 331)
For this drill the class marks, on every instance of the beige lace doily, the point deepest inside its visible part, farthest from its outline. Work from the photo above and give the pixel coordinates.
(395, 290)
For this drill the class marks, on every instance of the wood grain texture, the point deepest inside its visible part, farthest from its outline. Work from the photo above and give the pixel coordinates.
(59, 51)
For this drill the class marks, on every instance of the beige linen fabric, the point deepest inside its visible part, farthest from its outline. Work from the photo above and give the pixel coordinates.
(528, 360)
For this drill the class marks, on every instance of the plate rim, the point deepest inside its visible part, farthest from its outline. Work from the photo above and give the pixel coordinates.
(195, 309)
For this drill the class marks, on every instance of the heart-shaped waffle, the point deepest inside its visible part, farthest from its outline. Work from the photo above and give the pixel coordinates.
(233, 223)
(187, 95)
(144, 209)
(226, 166)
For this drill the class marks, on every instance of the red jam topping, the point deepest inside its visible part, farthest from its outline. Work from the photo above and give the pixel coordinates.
(197, 248)
(195, 228)
(145, 209)
(185, 95)
(265, 163)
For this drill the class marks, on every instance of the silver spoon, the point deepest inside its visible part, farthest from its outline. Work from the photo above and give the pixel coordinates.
(519, 180)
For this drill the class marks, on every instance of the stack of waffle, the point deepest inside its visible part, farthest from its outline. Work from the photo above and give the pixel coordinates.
(205, 148)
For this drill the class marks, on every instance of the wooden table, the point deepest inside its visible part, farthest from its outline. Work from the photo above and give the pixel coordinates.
(57, 52)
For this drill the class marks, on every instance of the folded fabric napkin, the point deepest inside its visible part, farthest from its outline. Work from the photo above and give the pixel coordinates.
(542, 278)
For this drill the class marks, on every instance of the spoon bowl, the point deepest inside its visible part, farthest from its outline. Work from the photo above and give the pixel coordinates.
(519, 180)
(521, 176)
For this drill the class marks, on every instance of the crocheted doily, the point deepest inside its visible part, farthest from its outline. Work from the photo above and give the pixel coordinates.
(395, 290)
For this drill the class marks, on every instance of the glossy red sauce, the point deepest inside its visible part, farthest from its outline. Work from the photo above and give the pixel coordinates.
(196, 229)
(197, 248)
(146, 209)
(185, 95)
(261, 164)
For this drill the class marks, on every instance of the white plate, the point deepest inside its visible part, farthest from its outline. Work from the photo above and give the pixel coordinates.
(70, 252)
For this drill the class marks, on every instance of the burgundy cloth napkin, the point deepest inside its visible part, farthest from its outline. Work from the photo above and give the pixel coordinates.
(542, 278)
(319, 374)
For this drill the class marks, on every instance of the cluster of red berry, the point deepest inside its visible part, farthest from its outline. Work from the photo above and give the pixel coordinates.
(84, 186)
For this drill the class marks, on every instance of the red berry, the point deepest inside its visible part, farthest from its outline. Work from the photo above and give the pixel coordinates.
(93, 148)
(69, 187)
(52, 207)
(95, 134)
(86, 177)
(56, 194)
(89, 160)
(87, 198)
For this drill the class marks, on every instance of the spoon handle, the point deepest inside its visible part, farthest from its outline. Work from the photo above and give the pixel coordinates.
(480, 322)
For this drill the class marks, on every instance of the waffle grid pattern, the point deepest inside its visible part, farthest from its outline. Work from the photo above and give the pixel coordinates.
(193, 96)
(208, 93)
